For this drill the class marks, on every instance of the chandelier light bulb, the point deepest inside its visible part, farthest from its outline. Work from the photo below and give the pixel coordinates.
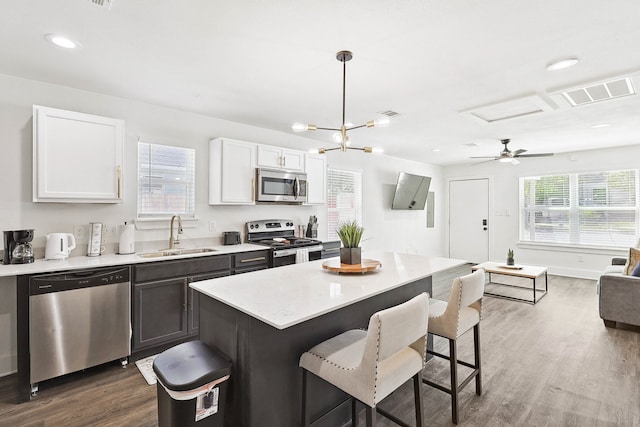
(337, 138)
(299, 127)
(382, 121)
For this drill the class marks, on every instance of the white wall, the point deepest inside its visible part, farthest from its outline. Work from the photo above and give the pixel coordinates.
(385, 229)
(503, 229)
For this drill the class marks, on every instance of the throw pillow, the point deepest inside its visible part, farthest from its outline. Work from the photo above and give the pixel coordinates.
(632, 261)
(636, 270)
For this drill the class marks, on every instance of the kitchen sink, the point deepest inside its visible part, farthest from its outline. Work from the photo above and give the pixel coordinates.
(173, 252)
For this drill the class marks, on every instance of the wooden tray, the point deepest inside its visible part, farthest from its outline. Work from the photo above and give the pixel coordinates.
(367, 265)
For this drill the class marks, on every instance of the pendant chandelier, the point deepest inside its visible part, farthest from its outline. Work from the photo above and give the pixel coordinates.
(340, 136)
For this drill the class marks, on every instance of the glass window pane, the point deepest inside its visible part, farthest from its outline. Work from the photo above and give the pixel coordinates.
(166, 180)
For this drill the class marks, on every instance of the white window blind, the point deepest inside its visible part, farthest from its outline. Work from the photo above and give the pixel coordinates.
(344, 199)
(589, 209)
(166, 181)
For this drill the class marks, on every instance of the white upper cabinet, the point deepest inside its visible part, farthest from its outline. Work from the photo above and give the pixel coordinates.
(231, 172)
(77, 157)
(316, 168)
(280, 158)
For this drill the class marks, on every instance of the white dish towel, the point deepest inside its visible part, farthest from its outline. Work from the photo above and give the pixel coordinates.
(302, 255)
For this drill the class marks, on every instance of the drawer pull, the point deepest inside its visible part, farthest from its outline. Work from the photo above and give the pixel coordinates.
(253, 259)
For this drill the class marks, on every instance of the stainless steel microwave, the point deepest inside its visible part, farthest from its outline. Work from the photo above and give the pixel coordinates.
(274, 185)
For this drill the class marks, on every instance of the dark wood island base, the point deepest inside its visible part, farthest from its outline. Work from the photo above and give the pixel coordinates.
(265, 387)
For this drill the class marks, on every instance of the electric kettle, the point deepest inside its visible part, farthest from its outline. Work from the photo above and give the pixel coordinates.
(59, 245)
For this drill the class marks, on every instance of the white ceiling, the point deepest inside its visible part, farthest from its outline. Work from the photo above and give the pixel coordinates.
(271, 63)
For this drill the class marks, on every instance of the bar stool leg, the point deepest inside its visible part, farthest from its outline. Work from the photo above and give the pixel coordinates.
(453, 363)
(354, 413)
(305, 405)
(371, 416)
(417, 393)
(476, 350)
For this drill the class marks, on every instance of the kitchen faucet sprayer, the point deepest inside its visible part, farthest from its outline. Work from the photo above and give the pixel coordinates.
(175, 241)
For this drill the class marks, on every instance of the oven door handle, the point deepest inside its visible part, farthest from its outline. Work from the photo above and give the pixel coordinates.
(287, 252)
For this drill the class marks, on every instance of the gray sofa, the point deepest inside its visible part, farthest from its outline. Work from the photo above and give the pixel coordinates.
(619, 295)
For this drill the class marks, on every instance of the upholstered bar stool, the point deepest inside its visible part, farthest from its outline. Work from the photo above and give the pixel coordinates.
(452, 319)
(370, 365)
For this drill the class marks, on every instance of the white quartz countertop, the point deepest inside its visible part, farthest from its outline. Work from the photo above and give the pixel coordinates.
(79, 262)
(285, 296)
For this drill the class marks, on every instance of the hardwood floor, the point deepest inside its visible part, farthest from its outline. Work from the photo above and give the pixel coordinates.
(549, 364)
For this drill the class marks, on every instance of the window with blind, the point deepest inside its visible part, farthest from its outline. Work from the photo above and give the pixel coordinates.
(589, 209)
(166, 181)
(344, 199)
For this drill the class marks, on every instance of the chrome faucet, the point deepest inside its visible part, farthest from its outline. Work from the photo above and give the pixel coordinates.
(175, 241)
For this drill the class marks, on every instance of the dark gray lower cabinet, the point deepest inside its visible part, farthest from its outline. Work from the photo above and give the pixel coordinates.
(165, 308)
(244, 262)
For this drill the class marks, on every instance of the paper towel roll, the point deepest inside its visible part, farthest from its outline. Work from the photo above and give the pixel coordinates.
(127, 239)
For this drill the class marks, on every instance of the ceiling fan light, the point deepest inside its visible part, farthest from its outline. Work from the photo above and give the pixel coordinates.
(505, 159)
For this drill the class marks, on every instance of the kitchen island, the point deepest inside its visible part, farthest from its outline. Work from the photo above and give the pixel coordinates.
(265, 320)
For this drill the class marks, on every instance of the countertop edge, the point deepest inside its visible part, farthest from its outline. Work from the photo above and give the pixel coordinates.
(40, 265)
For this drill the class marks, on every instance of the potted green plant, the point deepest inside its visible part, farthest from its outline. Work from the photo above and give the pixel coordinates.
(350, 233)
(510, 260)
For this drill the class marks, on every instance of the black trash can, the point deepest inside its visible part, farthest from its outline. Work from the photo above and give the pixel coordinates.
(192, 384)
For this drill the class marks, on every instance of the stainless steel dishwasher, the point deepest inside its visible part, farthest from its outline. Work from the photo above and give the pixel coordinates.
(77, 320)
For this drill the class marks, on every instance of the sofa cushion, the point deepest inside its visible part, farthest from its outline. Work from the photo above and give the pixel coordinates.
(636, 270)
(634, 258)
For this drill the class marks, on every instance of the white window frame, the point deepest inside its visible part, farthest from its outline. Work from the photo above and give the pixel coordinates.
(573, 209)
(353, 212)
(185, 174)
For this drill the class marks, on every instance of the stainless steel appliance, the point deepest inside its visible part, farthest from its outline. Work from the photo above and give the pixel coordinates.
(17, 247)
(231, 238)
(279, 235)
(78, 320)
(281, 186)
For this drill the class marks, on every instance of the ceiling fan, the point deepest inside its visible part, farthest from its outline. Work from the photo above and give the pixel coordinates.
(508, 156)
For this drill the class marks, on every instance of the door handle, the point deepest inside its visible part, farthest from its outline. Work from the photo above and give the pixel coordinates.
(185, 287)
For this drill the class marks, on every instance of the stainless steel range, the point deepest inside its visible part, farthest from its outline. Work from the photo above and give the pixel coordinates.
(279, 235)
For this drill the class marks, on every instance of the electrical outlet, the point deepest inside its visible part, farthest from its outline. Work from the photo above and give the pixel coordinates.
(78, 232)
(212, 226)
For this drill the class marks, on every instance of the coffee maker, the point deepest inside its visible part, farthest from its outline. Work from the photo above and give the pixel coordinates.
(17, 247)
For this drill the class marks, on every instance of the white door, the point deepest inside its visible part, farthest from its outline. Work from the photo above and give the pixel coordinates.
(468, 220)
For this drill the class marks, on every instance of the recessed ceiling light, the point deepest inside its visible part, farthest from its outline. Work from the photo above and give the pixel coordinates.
(62, 41)
(436, 150)
(600, 125)
(562, 64)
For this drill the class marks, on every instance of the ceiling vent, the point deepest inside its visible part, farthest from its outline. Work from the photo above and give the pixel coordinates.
(511, 109)
(389, 113)
(105, 4)
(599, 92)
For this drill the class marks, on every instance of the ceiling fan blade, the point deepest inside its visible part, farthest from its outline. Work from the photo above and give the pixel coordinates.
(485, 161)
(515, 162)
(535, 155)
(520, 151)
